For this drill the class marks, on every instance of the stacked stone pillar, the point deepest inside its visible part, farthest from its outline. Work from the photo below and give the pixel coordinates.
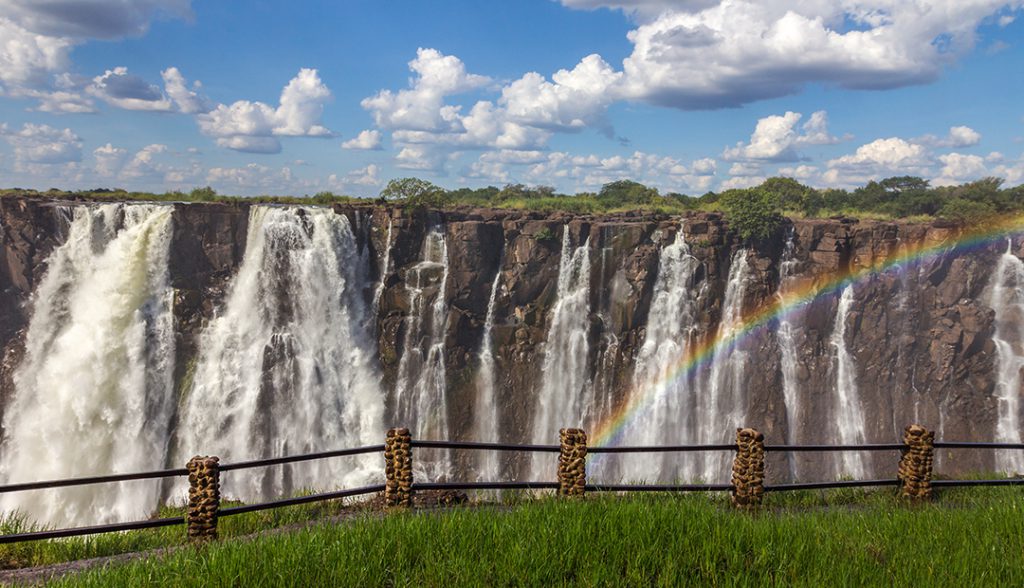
(572, 462)
(398, 468)
(915, 469)
(748, 469)
(203, 498)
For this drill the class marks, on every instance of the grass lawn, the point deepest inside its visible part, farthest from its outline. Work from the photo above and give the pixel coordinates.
(967, 537)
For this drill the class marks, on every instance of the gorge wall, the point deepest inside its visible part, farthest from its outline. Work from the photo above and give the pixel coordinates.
(250, 331)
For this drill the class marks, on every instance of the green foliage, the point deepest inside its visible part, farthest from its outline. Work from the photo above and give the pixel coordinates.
(545, 234)
(967, 211)
(753, 213)
(206, 194)
(627, 192)
(415, 192)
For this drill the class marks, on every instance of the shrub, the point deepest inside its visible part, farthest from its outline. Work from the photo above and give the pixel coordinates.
(752, 213)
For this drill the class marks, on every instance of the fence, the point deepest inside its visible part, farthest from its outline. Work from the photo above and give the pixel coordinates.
(747, 486)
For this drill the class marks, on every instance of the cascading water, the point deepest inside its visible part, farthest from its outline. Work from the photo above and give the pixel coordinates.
(722, 407)
(848, 415)
(1006, 298)
(94, 392)
(563, 400)
(671, 328)
(486, 425)
(786, 337)
(385, 267)
(420, 391)
(285, 367)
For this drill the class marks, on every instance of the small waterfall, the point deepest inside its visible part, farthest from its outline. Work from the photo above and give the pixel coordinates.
(1006, 298)
(379, 291)
(786, 337)
(486, 426)
(563, 400)
(848, 418)
(671, 327)
(421, 392)
(94, 394)
(285, 367)
(723, 408)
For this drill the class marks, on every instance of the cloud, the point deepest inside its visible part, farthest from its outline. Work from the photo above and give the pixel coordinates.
(38, 36)
(109, 160)
(254, 126)
(639, 8)
(366, 140)
(879, 158)
(574, 99)
(421, 107)
(738, 51)
(119, 88)
(958, 137)
(188, 101)
(43, 144)
(775, 138)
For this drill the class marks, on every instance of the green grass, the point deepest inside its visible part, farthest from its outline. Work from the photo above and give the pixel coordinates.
(966, 538)
(37, 553)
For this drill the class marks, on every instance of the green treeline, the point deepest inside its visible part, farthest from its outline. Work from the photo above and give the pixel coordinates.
(754, 212)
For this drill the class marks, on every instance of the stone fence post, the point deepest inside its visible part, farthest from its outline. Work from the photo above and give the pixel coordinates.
(203, 498)
(748, 469)
(915, 469)
(572, 462)
(398, 468)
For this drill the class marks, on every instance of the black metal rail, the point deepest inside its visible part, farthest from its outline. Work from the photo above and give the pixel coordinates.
(857, 447)
(657, 487)
(662, 448)
(93, 530)
(235, 510)
(93, 480)
(486, 446)
(255, 463)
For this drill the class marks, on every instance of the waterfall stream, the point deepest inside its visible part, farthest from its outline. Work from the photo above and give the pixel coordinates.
(94, 394)
(487, 425)
(420, 391)
(563, 399)
(848, 414)
(722, 409)
(1006, 298)
(786, 337)
(286, 367)
(671, 327)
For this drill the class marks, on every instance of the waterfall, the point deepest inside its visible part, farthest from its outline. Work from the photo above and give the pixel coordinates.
(94, 392)
(379, 291)
(487, 424)
(563, 400)
(671, 328)
(1006, 298)
(420, 391)
(786, 337)
(722, 408)
(848, 415)
(285, 367)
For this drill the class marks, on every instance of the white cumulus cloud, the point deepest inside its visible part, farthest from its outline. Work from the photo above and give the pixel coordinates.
(366, 140)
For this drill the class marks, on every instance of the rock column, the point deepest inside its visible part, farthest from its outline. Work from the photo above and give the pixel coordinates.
(572, 462)
(915, 469)
(203, 498)
(748, 469)
(398, 468)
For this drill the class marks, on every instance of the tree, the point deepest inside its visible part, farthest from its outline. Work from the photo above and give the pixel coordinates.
(205, 194)
(790, 193)
(415, 192)
(752, 213)
(967, 211)
(627, 192)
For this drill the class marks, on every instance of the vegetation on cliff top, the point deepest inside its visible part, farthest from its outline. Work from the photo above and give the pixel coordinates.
(754, 212)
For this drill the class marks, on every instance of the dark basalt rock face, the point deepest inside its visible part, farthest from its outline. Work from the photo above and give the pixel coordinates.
(921, 336)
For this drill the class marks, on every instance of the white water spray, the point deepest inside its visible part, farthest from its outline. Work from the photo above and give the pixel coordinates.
(848, 414)
(94, 392)
(722, 408)
(487, 425)
(1006, 298)
(563, 400)
(671, 327)
(421, 392)
(285, 368)
(385, 267)
(786, 337)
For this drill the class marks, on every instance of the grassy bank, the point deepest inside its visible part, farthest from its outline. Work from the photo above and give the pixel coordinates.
(973, 537)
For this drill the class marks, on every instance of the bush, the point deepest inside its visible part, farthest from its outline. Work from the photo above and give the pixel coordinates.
(752, 213)
(967, 211)
(205, 194)
(415, 192)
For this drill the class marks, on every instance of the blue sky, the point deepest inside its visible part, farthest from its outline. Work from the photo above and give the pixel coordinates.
(296, 97)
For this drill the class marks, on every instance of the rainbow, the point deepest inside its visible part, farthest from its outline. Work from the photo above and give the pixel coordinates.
(608, 431)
